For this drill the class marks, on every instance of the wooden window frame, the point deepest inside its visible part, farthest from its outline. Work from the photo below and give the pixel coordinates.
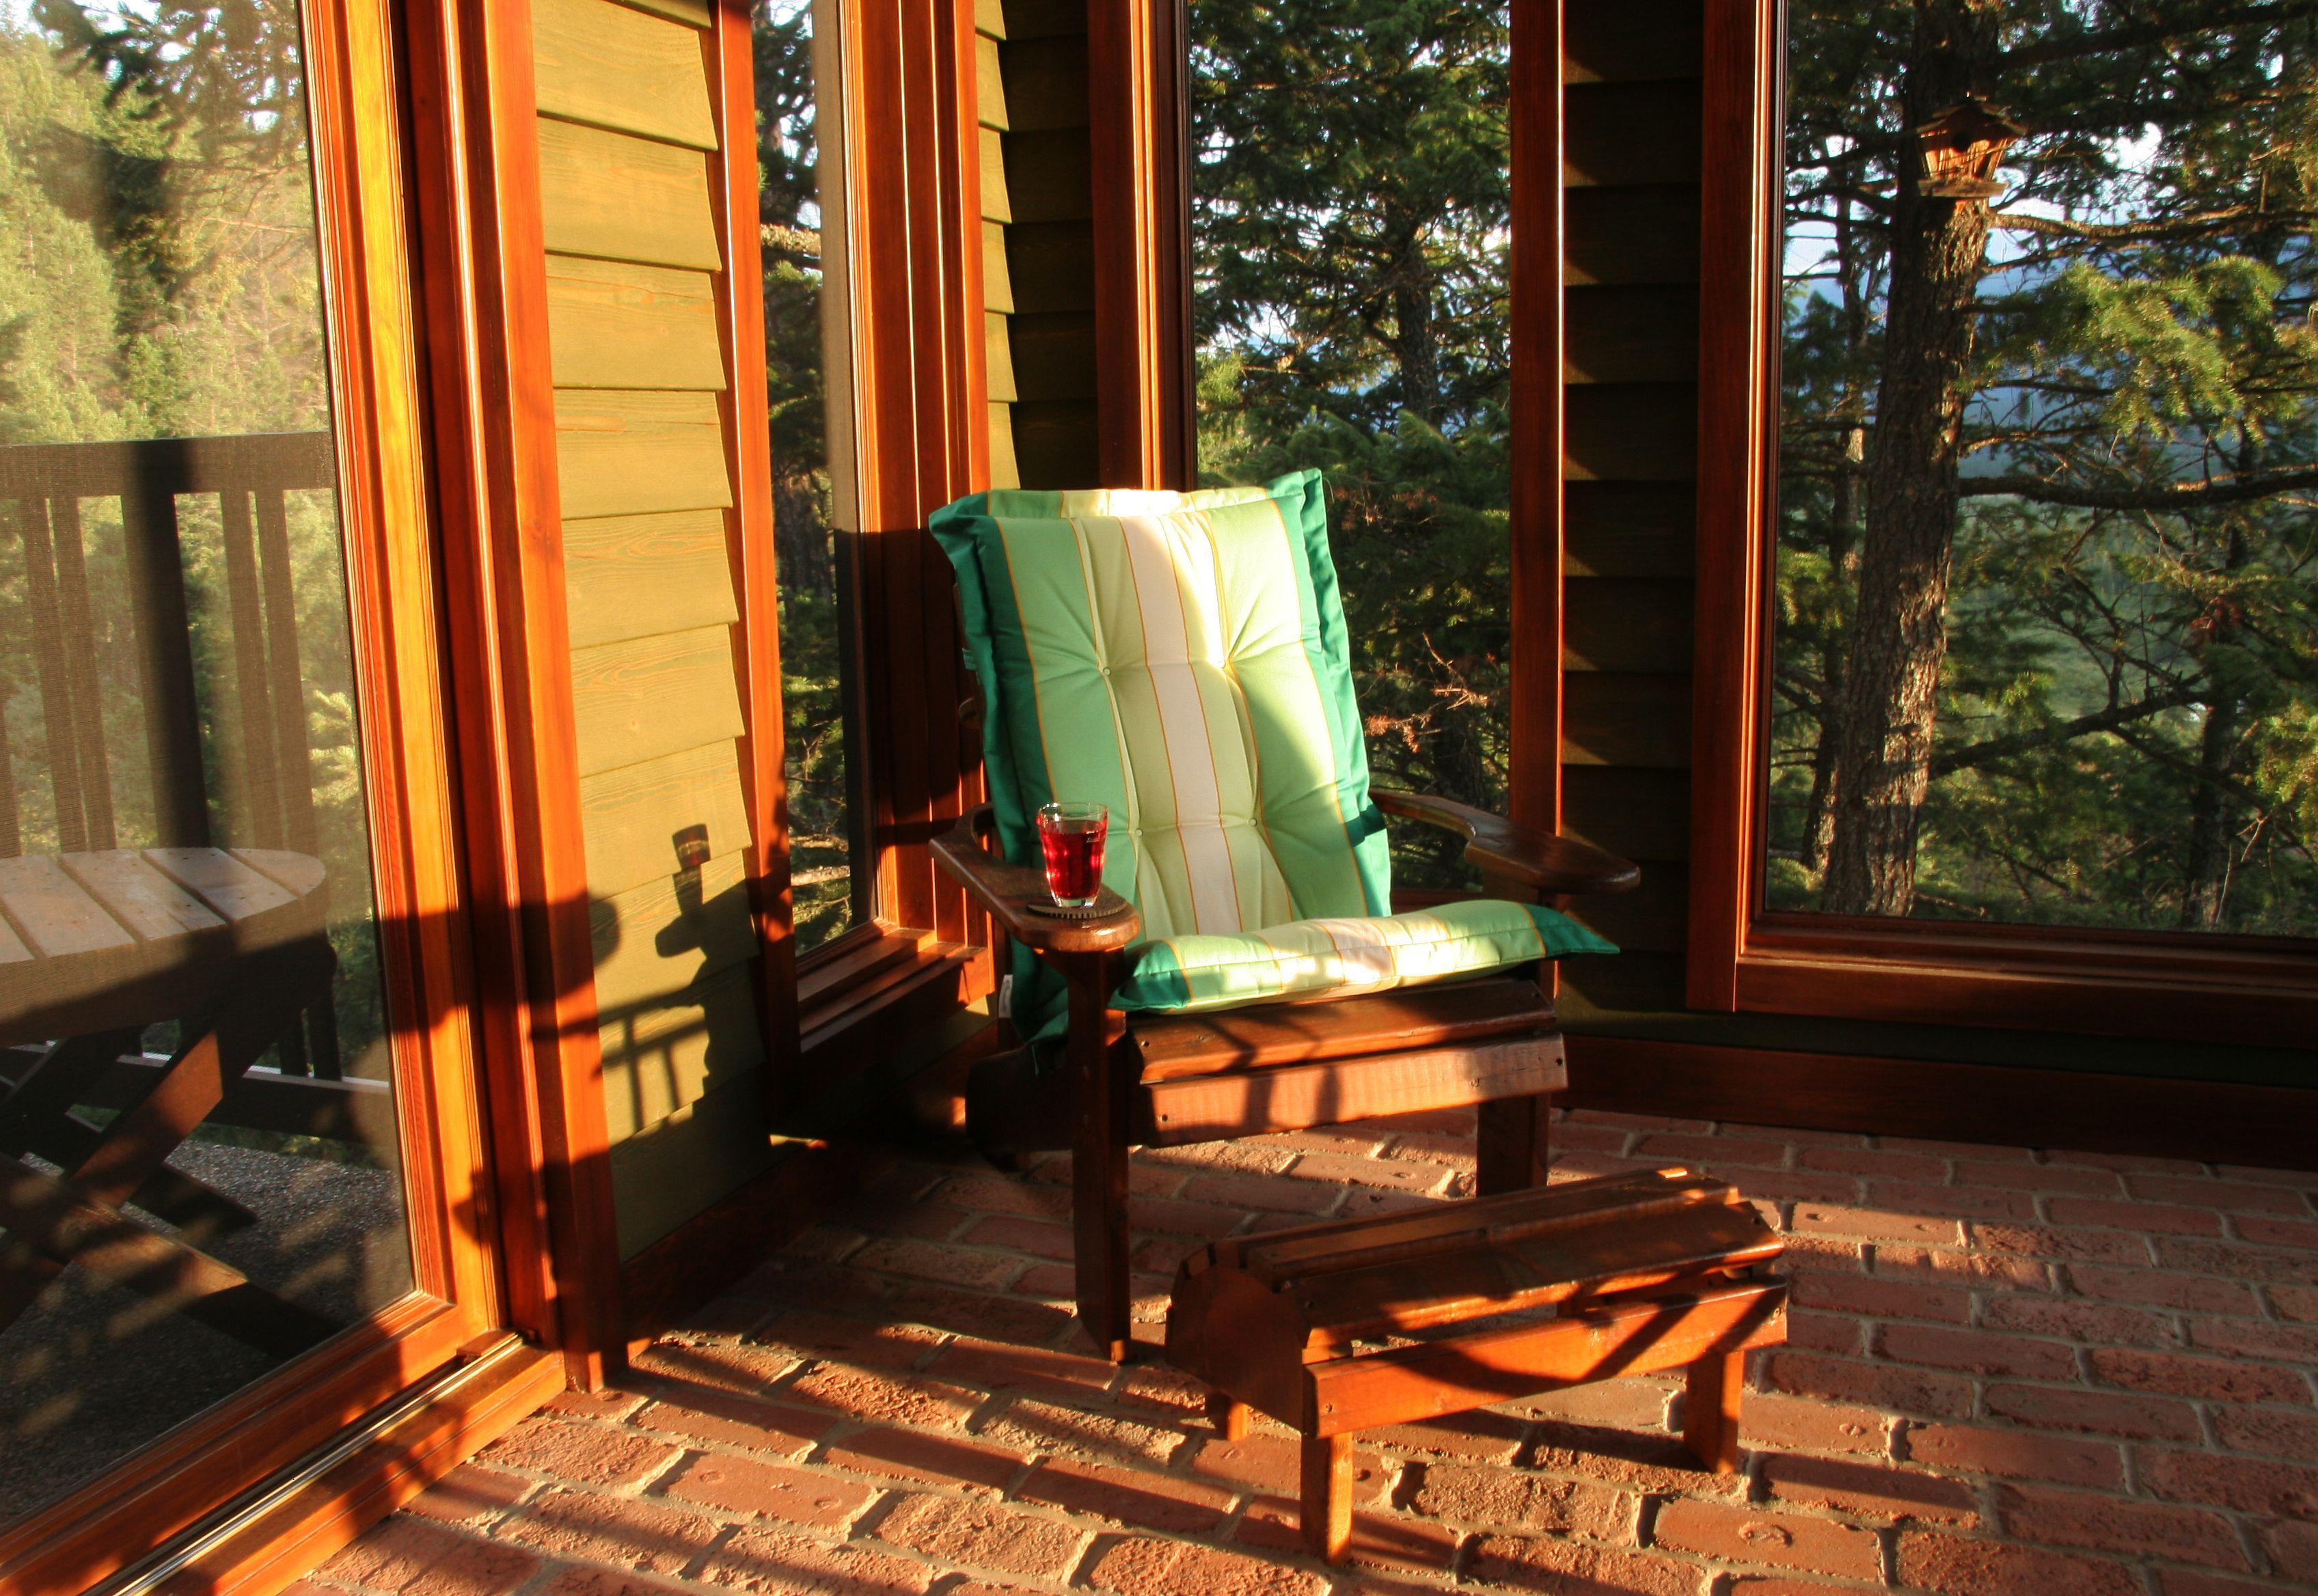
(1741, 955)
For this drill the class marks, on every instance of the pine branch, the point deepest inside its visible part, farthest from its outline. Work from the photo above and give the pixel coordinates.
(2060, 732)
(2188, 226)
(2139, 36)
(2227, 491)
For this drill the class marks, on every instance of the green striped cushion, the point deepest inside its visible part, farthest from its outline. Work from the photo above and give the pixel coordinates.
(1316, 958)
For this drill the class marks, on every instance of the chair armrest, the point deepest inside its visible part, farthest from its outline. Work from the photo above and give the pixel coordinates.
(1008, 891)
(1532, 859)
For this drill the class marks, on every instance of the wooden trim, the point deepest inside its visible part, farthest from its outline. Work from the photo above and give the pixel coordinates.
(1139, 131)
(2212, 989)
(1536, 416)
(2222, 1122)
(508, 653)
(294, 1522)
(749, 534)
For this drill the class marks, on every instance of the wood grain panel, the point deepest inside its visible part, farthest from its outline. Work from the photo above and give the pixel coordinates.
(1628, 529)
(1635, 814)
(1053, 355)
(624, 198)
(1634, 431)
(631, 814)
(1633, 40)
(998, 357)
(695, 12)
(1623, 623)
(653, 941)
(623, 454)
(1627, 334)
(1630, 235)
(1610, 718)
(1049, 176)
(989, 84)
(1052, 265)
(997, 200)
(636, 576)
(1004, 472)
(1047, 82)
(1619, 134)
(627, 70)
(997, 281)
(614, 324)
(668, 1058)
(653, 695)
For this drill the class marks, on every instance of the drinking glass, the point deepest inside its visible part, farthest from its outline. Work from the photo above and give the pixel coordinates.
(1070, 840)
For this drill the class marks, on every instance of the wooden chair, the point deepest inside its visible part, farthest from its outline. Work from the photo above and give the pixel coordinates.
(1208, 1074)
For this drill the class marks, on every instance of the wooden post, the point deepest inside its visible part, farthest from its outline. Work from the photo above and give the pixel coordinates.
(1327, 1503)
(1511, 1154)
(165, 654)
(1710, 1410)
(1098, 1157)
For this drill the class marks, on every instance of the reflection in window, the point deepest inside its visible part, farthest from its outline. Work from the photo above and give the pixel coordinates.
(1351, 218)
(830, 894)
(2045, 646)
(185, 857)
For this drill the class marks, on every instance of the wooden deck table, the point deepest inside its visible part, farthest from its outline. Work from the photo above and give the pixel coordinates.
(94, 947)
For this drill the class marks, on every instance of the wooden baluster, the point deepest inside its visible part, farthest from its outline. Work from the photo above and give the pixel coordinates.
(165, 657)
(56, 687)
(79, 626)
(295, 757)
(11, 836)
(260, 765)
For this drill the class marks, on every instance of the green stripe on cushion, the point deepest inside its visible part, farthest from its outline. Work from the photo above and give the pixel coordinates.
(1342, 957)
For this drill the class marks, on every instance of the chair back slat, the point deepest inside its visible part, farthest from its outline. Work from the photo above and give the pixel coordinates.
(48, 659)
(260, 764)
(293, 754)
(79, 639)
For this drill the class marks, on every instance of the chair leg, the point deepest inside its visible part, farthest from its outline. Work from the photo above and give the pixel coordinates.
(1099, 1241)
(1328, 1497)
(1710, 1410)
(1510, 1152)
(1228, 1415)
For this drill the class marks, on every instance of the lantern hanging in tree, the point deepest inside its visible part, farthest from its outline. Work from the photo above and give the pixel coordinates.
(1960, 147)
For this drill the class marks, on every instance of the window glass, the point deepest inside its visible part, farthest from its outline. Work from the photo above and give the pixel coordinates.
(184, 857)
(1351, 225)
(2045, 650)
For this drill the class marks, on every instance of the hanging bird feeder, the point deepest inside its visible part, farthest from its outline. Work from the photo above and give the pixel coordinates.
(1960, 147)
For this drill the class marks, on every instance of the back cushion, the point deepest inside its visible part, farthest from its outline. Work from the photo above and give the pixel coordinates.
(1181, 657)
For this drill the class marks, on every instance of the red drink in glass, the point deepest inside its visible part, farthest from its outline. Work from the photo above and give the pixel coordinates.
(1070, 840)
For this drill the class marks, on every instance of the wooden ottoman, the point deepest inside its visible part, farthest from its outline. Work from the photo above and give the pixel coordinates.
(1336, 1328)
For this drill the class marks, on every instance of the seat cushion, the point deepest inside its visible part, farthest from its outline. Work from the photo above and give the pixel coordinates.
(1344, 957)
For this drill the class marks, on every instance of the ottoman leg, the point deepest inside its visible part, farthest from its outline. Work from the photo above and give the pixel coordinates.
(1710, 1410)
(1328, 1507)
(1229, 1417)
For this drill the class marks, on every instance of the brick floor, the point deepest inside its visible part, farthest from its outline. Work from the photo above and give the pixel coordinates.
(2007, 1371)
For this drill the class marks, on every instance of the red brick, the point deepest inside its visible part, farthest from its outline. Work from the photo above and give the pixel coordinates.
(413, 1557)
(469, 1495)
(1720, 1150)
(934, 1260)
(982, 1534)
(2174, 1373)
(1647, 1123)
(770, 1491)
(1635, 1403)
(2075, 1246)
(1880, 1298)
(2258, 1337)
(620, 1531)
(2197, 1582)
(1477, 1437)
(2276, 1432)
(1958, 1202)
(584, 1453)
(2131, 1162)
(1780, 1584)
(760, 1557)
(1802, 1423)
(1002, 1366)
(1826, 1332)
(1262, 1191)
(2292, 1546)
(1275, 1524)
(722, 1365)
(1869, 1490)
(2096, 1521)
(1040, 1426)
(1743, 1534)
(1798, 1186)
(1876, 1224)
(1977, 1351)
(2077, 1182)
(2239, 1197)
(1139, 1565)
(2277, 1232)
(2150, 1217)
(1823, 1255)
(975, 1314)
(2017, 1454)
(924, 1220)
(1142, 1499)
(2161, 1288)
(1943, 1267)
(1338, 1169)
(1880, 1164)
(2297, 1303)
(1652, 1462)
(1041, 1238)
(1516, 1499)
(2197, 1255)
(1560, 1566)
(607, 1406)
(1877, 1384)
(2261, 1486)
(927, 1459)
(1954, 1566)
(2103, 1412)
(1271, 1462)
(1939, 1149)
(2083, 1321)
(884, 1399)
(605, 1581)
(729, 1419)
(996, 1193)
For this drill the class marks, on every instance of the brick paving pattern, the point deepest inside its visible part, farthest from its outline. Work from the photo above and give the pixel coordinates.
(2007, 1371)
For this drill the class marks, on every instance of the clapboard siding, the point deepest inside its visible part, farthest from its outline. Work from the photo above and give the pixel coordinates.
(997, 203)
(633, 575)
(1054, 356)
(689, 1161)
(628, 453)
(990, 18)
(997, 283)
(1637, 814)
(1631, 236)
(654, 940)
(695, 12)
(989, 84)
(1049, 176)
(1604, 996)
(1046, 83)
(1622, 719)
(1630, 529)
(1649, 919)
(1005, 470)
(611, 67)
(1625, 624)
(1626, 334)
(614, 324)
(1631, 432)
(624, 198)
(1045, 19)
(1056, 444)
(1616, 134)
(1633, 40)
(632, 814)
(670, 1056)
(653, 695)
(997, 279)
(999, 345)
(1052, 265)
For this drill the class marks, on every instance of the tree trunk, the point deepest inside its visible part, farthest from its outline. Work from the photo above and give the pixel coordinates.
(1414, 346)
(1898, 628)
(2213, 807)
